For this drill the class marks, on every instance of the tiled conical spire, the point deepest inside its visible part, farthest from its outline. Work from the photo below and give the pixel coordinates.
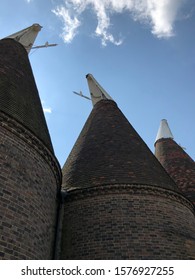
(19, 97)
(109, 151)
(120, 202)
(178, 164)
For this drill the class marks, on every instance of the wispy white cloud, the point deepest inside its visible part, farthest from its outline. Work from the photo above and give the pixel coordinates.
(160, 15)
(102, 29)
(71, 23)
(46, 109)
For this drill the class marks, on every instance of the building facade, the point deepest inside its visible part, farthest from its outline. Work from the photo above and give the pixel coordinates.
(113, 199)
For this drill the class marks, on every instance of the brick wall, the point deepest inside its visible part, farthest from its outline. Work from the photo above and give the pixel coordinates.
(178, 164)
(19, 97)
(29, 183)
(127, 222)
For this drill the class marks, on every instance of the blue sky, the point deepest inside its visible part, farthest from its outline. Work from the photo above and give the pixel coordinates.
(142, 53)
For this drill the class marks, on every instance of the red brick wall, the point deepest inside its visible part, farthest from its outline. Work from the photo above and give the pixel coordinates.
(29, 182)
(178, 165)
(127, 222)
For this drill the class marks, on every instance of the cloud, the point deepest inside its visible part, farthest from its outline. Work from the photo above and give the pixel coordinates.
(162, 15)
(159, 15)
(71, 23)
(45, 108)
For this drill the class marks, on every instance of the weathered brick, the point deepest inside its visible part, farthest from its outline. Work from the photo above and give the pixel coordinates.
(178, 164)
(93, 230)
(121, 203)
(30, 174)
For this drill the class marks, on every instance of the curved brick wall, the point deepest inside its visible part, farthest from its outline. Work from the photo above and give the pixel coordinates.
(127, 222)
(19, 96)
(178, 164)
(29, 183)
(30, 176)
(120, 202)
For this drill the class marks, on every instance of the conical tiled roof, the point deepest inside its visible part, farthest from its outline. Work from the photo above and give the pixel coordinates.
(178, 164)
(109, 151)
(19, 97)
